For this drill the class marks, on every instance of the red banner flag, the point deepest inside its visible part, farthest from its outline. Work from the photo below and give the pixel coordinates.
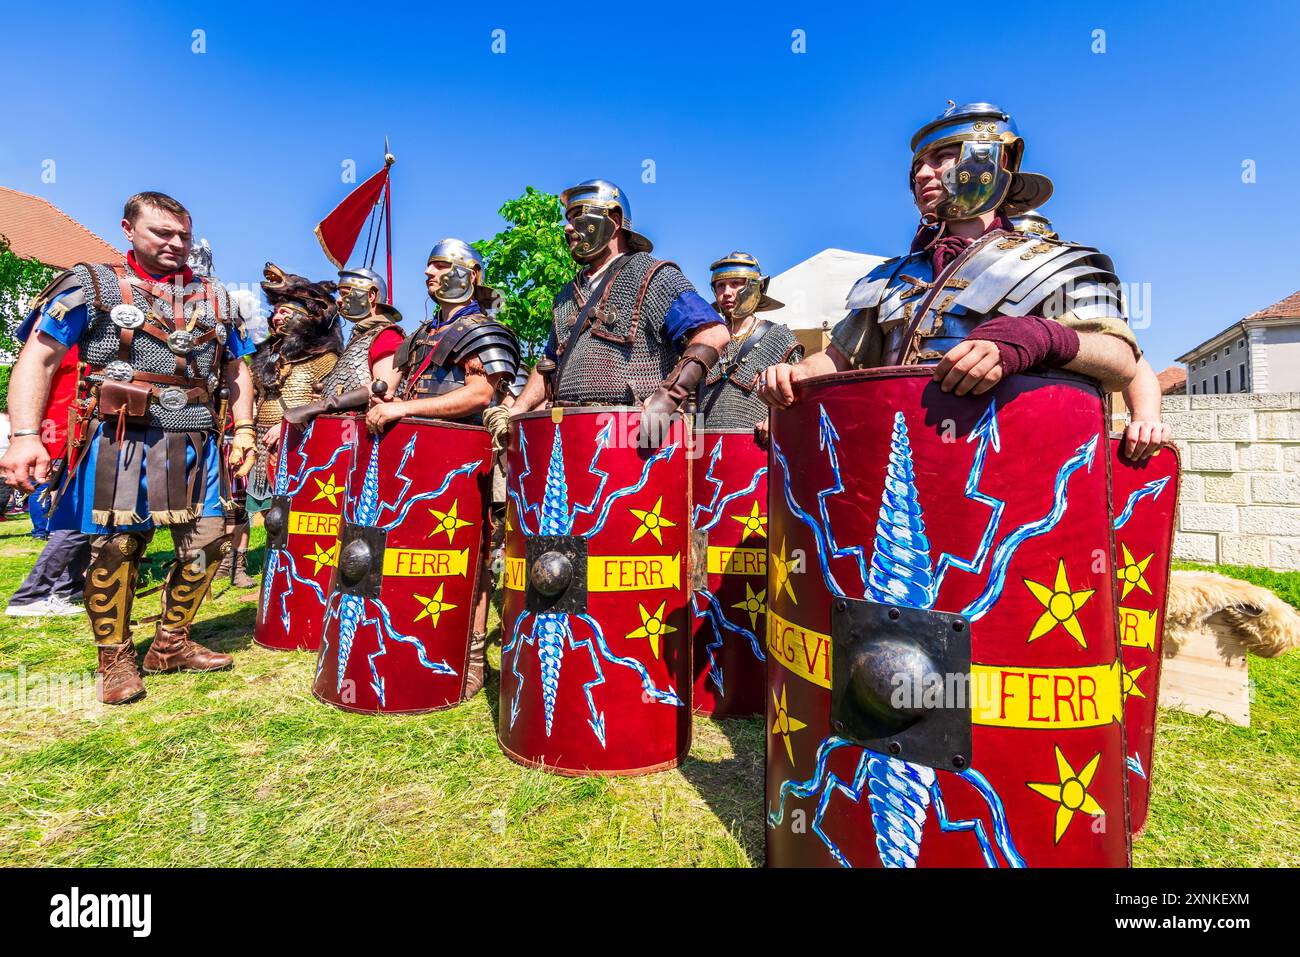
(339, 230)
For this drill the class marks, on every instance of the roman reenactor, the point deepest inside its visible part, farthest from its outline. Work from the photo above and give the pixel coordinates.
(453, 367)
(598, 531)
(302, 348)
(729, 396)
(161, 350)
(972, 295)
(629, 329)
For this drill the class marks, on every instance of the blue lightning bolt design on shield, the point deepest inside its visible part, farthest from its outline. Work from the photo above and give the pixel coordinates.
(552, 633)
(712, 610)
(279, 559)
(1152, 489)
(900, 793)
(351, 609)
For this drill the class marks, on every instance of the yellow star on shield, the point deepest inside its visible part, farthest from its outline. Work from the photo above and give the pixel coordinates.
(434, 607)
(781, 573)
(1071, 793)
(753, 604)
(651, 521)
(1129, 682)
(1132, 572)
(328, 489)
(754, 523)
(449, 523)
(324, 556)
(1061, 604)
(652, 626)
(783, 724)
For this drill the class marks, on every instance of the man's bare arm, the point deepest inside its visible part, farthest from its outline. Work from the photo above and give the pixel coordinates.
(776, 387)
(26, 464)
(1108, 359)
(532, 395)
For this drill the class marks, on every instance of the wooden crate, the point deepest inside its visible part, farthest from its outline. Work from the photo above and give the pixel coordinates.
(1207, 674)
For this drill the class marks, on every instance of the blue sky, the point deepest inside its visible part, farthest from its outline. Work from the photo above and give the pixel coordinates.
(754, 146)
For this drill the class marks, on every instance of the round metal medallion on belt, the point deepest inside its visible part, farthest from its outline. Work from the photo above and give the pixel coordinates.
(119, 371)
(221, 332)
(172, 399)
(126, 315)
(180, 341)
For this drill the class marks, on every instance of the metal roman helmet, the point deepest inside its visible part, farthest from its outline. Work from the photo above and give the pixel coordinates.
(354, 292)
(753, 298)
(987, 173)
(464, 281)
(1033, 223)
(593, 201)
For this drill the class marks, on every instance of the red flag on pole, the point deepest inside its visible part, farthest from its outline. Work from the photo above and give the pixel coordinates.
(339, 230)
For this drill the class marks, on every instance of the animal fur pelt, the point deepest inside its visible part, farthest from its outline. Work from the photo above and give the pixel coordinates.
(318, 333)
(1265, 625)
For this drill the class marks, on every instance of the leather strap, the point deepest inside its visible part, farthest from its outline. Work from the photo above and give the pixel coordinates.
(908, 350)
(583, 319)
(761, 328)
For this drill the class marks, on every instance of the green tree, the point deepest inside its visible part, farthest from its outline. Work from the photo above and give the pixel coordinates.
(528, 263)
(20, 280)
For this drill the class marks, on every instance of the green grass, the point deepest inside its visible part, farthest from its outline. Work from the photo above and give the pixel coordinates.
(245, 767)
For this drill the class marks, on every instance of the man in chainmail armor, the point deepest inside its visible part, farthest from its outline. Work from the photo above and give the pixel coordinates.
(629, 329)
(159, 348)
(729, 396)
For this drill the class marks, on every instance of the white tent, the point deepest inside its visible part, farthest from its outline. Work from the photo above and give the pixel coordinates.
(814, 292)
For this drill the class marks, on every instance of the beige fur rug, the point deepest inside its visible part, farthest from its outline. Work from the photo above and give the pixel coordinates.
(1264, 623)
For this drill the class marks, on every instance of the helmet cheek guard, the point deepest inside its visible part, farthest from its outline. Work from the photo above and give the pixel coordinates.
(595, 228)
(976, 184)
(456, 286)
(748, 299)
(356, 302)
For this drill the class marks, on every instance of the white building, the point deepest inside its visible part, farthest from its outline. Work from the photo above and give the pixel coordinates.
(1260, 353)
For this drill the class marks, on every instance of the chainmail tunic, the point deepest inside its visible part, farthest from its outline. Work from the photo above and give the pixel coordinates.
(624, 357)
(729, 394)
(100, 342)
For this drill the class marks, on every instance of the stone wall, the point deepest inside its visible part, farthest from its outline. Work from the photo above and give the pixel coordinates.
(1240, 496)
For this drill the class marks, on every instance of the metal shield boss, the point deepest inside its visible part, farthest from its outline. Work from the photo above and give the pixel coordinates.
(729, 573)
(302, 530)
(596, 633)
(401, 603)
(1144, 503)
(945, 682)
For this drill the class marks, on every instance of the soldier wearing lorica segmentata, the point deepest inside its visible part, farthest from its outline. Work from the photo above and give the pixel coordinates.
(629, 329)
(973, 295)
(161, 353)
(729, 396)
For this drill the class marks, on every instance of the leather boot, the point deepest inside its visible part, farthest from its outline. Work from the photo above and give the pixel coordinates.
(109, 593)
(117, 680)
(476, 665)
(197, 559)
(173, 650)
(241, 578)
